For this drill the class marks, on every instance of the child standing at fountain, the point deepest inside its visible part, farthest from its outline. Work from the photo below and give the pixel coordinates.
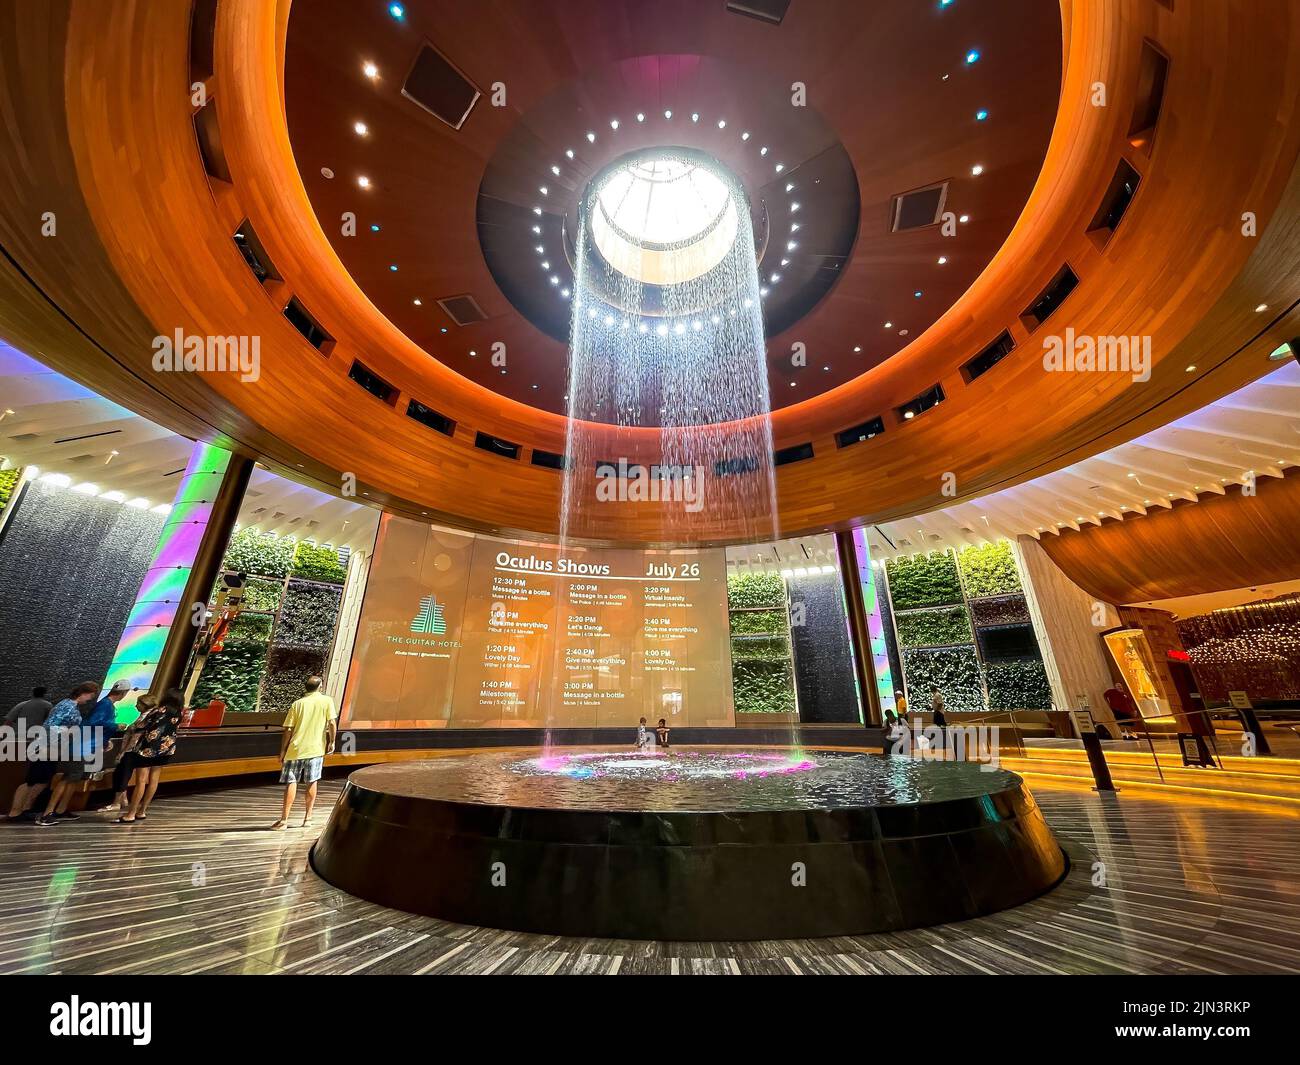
(642, 737)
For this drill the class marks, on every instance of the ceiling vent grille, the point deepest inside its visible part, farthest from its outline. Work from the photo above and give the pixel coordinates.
(918, 208)
(442, 90)
(463, 310)
(772, 11)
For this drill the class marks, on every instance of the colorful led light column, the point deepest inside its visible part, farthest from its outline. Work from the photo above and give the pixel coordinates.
(875, 623)
(187, 536)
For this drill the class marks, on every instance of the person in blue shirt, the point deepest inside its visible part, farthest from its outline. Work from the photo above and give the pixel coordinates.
(95, 728)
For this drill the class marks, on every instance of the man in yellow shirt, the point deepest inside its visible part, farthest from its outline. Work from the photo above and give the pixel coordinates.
(309, 730)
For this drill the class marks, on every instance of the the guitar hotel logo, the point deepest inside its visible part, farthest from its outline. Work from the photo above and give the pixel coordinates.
(426, 628)
(429, 621)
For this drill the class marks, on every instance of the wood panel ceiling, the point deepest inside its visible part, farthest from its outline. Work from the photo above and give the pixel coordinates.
(890, 79)
(99, 124)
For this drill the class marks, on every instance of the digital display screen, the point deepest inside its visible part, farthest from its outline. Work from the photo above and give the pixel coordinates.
(466, 631)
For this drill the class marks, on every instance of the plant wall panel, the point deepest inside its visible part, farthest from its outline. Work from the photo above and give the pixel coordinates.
(989, 569)
(953, 671)
(934, 628)
(923, 580)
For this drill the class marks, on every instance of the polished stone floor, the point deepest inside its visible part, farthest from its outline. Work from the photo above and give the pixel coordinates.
(1183, 886)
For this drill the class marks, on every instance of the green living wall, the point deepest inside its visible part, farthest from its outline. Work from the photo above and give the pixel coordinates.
(989, 569)
(762, 667)
(292, 595)
(934, 628)
(954, 671)
(923, 580)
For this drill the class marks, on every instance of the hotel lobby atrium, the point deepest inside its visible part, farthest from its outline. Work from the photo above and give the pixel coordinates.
(651, 487)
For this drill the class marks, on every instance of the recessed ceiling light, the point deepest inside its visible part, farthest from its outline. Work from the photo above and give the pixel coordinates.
(909, 414)
(613, 123)
(397, 11)
(668, 114)
(776, 278)
(568, 152)
(780, 167)
(591, 137)
(640, 116)
(545, 265)
(943, 259)
(537, 229)
(326, 173)
(964, 219)
(745, 136)
(555, 170)
(857, 347)
(370, 70)
(1190, 368)
(537, 210)
(417, 303)
(972, 57)
(791, 245)
(977, 169)
(363, 181)
(794, 207)
(981, 115)
(762, 151)
(374, 227)
(917, 293)
(889, 325)
(361, 128)
(789, 187)
(1261, 308)
(902, 332)
(543, 190)
(695, 116)
(785, 262)
(722, 123)
(392, 267)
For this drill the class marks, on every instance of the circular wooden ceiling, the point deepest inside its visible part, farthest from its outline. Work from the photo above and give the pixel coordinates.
(150, 181)
(828, 119)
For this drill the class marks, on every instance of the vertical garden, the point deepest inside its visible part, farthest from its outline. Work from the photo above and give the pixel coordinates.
(762, 666)
(963, 628)
(292, 593)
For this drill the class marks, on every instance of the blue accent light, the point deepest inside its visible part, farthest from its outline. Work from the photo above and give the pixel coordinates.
(397, 11)
(917, 293)
(393, 268)
(374, 227)
(981, 115)
(972, 57)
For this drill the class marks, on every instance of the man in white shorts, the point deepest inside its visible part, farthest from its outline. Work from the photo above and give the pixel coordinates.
(309, 730)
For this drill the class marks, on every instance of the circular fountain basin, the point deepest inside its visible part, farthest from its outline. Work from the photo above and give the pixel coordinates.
(710, 844)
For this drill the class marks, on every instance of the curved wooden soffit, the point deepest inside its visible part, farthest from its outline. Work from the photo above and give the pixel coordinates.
(145, 248)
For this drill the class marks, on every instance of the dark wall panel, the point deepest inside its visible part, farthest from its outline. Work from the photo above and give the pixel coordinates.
(70, 567)
(823, 657)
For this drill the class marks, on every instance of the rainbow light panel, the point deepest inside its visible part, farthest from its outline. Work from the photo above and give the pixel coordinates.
(875, 623)
(158, 603)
